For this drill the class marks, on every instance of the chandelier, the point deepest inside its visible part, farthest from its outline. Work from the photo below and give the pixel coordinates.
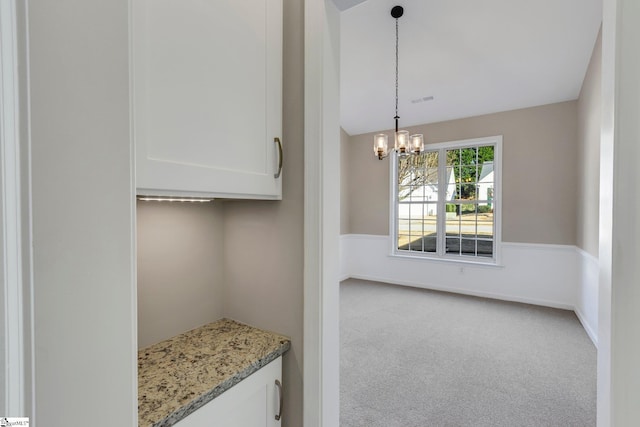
(404, 144)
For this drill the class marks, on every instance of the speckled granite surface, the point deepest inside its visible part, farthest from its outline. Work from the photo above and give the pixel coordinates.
(181, 374)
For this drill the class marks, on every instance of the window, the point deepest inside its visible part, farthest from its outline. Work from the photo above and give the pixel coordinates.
(447, 201)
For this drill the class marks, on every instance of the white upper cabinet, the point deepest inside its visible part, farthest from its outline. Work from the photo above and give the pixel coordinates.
(207, 95)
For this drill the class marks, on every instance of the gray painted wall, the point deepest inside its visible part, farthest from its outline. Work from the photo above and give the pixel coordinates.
(539, 172)
(26, 201)
(82, 195)
(2, 317)
(180, 268)
(589, 124)
(344, 188)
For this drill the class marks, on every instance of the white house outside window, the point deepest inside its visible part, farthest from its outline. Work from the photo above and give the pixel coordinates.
(446, 201)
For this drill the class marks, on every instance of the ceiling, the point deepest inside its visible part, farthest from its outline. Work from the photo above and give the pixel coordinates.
(473, 57)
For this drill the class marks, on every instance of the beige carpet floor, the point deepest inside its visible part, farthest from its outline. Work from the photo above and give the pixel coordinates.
(418, 358)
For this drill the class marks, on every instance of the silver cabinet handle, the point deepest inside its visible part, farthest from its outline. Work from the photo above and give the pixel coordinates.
(281, 396)
(277, 141)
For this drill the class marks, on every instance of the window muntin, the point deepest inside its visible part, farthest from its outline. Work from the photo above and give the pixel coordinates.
(445, 201)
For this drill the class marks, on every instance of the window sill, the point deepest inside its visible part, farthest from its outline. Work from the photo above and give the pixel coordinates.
(490, 263)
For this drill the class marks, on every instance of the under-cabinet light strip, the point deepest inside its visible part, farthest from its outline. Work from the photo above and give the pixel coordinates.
(174, 199)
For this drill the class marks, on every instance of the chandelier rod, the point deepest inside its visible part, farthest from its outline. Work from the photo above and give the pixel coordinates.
(397, 117)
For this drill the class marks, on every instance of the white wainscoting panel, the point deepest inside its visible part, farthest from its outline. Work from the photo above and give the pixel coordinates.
(586, 306)
(538, 274)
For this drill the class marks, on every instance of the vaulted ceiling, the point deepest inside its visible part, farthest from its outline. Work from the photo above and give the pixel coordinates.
(473, 57)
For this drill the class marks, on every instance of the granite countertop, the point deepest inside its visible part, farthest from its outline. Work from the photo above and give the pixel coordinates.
(179, 375)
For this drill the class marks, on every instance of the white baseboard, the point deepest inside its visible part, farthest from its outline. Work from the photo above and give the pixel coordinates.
(464, 291)
(546, 275)
(593, 335)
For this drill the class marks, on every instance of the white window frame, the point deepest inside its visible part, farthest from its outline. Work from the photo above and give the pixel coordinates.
(440, 255)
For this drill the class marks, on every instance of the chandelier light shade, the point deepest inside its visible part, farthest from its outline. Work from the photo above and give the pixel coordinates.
(381, 145)
(417, 143)
(402, 141)
(404, 144)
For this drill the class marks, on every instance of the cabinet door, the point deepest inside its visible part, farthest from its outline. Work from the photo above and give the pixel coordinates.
(207, 97)
(254, 402)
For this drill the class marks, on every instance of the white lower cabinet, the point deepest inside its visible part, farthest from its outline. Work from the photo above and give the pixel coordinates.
(253, 402)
